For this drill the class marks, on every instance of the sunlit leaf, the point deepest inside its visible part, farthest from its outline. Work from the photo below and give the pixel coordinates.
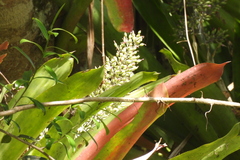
(48, 53)
(71, 142)
(97, 123)
(51, 72)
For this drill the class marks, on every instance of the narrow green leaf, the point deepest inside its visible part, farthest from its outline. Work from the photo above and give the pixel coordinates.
(66, 149)
(42, 28)
(92, 138)
(61, 29)
(52, 73)
(25, 55)
(48, 53)
(56, 16)
(58, 128)
(71, 142)
(96, 123)
(38, 104)
(28, 41)
(27, 137)
(19, 128)
(105, 127)
(61, 118)
(176, 65)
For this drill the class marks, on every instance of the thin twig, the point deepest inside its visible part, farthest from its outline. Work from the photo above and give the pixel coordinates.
(186, 30)
(27, 143)
(102, 29)
(123, 99)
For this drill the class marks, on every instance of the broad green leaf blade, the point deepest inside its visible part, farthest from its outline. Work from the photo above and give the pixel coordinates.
(43, 29)
(78, 85)
(62, 67)
(216, 150)
(121, 14)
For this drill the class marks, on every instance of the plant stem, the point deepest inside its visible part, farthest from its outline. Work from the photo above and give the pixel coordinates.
(123, 99)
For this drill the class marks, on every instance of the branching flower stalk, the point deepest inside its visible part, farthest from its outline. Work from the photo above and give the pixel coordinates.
(118, 70)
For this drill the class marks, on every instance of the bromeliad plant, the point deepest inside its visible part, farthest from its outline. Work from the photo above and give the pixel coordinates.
(108, 130)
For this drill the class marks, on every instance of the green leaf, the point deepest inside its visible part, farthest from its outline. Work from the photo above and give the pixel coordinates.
(176, 65)
(21, 82)
(38, 104)
(25, 55)
(28, 41)
(216, 150)
(7, 119)
(48, 53)
(42, 28)
(52, 73)
(81, 114)
(56, 16)
(61, 29)
(58, 128)
(96, 123)
(23, 136)
(6, 139)
(49, 142)
(105, 127)
(66, 149)
(27, 75)
(71, 142)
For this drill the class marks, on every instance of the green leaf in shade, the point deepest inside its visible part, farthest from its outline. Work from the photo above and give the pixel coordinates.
(6, 139)
(38, 104)
(49, 141)
(18, 127)
(71, 142)
(81, 114)
(27, 75)
(23, 136)
(28, 41)
(7, 119)
(176, 65)
(56, 16)
(61, 29)
(42, 28)
(216, 150)
(57, 127)
(61, 118)
(66, 149)
(25, 55)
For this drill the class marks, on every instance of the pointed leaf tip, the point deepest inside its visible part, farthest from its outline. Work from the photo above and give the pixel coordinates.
(194, 78)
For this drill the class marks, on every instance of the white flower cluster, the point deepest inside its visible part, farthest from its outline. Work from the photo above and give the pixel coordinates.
(118, 70)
